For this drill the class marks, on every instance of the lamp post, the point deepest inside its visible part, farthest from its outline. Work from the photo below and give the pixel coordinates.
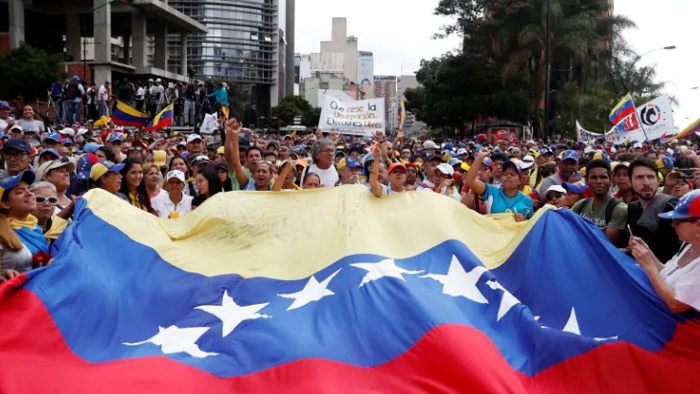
(636, 59)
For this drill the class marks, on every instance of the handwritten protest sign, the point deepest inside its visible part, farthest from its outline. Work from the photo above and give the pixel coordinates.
(364, 117)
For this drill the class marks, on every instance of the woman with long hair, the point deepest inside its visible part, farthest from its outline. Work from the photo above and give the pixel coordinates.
(106, 175)
(133, 185)
(208, 184)
(181, 164)
(153, 180)
(22, 241)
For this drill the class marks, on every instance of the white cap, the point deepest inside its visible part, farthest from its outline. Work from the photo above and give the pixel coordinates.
(461, 151)
(529, 159)
(638, 145)
(193, 137)
(523, 165)
(175, 174)
(446, 169)
(158, 80)
(67, 131)
(82, 131)
(430, 145)
(556, 188)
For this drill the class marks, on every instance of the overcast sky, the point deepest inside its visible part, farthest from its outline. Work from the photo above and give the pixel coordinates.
(399, 33)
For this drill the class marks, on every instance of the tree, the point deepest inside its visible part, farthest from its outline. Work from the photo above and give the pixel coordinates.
(28, 72)
(592, 67)
(291, 106)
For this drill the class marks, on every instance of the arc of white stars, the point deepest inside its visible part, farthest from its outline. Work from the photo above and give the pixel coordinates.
(232, 314)
(459, 283)
(384, 268)
(312, 291)
(177, 340)
(508, 301)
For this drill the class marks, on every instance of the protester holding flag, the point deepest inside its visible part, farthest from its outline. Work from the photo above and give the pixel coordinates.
(677, 281)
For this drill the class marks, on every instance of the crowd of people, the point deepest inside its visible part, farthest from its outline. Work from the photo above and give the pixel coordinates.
(74, 101)
(642, 196)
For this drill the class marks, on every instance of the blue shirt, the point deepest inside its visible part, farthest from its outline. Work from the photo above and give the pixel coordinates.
(497, 202)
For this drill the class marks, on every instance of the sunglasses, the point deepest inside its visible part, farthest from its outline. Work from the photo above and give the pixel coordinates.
(42, 199)
(552, 196)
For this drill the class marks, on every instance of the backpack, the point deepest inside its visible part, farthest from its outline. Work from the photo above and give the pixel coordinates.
(614, 202)
(72, 91)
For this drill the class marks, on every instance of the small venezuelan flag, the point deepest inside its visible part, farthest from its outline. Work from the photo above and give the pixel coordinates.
(125, 115)
(623, 109)
(163, 119)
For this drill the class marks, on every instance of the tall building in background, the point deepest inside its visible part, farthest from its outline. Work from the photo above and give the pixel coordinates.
(242, 46)
(385, 87)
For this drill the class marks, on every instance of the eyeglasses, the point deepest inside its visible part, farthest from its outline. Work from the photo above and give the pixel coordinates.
(42, 199)
(14, 154)
(553, 196)
(134, 149)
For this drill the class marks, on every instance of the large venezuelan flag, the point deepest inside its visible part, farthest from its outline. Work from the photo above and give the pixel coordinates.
(336, 291)
(125, 115)
(163, 119)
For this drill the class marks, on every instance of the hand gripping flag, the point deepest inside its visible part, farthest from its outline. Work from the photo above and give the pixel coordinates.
(125, 115)
(230, 298)
(163, 119)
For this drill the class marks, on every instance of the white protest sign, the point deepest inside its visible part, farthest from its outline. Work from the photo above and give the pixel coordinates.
(364, 117)
(585, 136)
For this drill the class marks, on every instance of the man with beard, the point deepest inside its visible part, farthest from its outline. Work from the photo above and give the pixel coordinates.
(349, 171)
(643, 215)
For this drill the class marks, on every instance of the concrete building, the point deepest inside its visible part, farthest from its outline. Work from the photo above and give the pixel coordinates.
(341, 43)
(404, 83)
(385, 87)
(247, 44)
(137, 29)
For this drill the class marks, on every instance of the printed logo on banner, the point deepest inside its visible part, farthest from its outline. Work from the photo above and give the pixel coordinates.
(650, 114)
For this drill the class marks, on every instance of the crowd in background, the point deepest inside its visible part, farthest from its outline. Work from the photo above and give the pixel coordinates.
(642, 196)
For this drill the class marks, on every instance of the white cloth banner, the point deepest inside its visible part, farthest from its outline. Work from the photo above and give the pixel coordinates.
(364, 117)
(655, 118)
(210, 124)
(585, 136)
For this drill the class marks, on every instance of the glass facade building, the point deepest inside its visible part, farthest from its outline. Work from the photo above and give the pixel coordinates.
(241, 47)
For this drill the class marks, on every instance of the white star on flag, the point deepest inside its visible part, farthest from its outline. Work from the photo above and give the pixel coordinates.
(232, 314)
(459, 283)
(177, 340)
(572, 324)
(312, 291)
(508, 301)
(384, 268)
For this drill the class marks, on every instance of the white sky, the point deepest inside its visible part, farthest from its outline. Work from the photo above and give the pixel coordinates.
(399, 33)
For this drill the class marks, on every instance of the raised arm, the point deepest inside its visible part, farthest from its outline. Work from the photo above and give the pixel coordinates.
(472, 179)
(374, 176)
(282, 177)
(233, 130)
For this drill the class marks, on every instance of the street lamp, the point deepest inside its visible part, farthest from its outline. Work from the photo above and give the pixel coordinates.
(636, 59)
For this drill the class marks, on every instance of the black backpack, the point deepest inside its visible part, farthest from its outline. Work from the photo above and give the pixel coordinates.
(608, 209)
(72, 91)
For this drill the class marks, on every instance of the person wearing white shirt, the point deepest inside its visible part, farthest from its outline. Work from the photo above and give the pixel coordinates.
(322, 154)
(103, 99)
(174, 203)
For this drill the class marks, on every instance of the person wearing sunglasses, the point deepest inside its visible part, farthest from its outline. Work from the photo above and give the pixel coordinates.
(556, 195)
(676, 282)
(58, 173)
(46, 200)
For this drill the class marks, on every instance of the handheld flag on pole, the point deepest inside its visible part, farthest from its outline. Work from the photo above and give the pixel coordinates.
(163, 119)
(125, 115)
(402, 115)
(622, 110)
(690, 130)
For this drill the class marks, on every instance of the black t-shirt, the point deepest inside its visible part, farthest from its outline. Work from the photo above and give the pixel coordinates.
(199, 200)
(656, 232)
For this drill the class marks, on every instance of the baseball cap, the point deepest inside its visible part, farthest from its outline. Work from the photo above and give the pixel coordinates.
(514, 165)
(49, 150)
(446, 169)
(175, 174)
(395, 166)
(569, 155)
(488, 162)
(621, 164)
(688, 207)
(4, 104)
(53, 137)
(601, 155)
(10, 182)
(576, 188)
(103, 167)
(430, 145)
(85, 163)
(348, 162)
(91, 147)
(67, 131)
(18, 144)
(116, 137)
(16, 128)
(194, 137)
(68, 141)
(199, 159)
(45, 168)
(160, 157)
(555, 188)
(664, 162)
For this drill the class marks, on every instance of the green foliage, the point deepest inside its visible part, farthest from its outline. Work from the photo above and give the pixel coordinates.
(28, 72)
(291, 106)
(500, 71)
